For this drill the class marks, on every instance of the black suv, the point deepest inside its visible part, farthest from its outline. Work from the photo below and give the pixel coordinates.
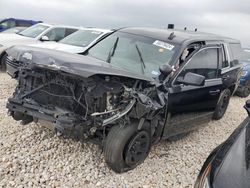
(131, 89)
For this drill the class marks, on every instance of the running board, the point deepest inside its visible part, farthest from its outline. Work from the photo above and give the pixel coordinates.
(184, 123)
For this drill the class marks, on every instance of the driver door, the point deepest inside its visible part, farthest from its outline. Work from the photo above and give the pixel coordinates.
(188, 101)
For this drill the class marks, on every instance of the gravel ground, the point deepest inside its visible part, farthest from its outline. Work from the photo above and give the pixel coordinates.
(31, 156)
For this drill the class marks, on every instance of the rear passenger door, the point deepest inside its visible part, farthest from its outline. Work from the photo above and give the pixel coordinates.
(188, 98)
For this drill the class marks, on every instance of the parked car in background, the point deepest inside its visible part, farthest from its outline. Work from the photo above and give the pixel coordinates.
(35, 34)
(244, 87)
(77, 42)
(228, 164)
(131, 89)
(12, 22)
(14, 30)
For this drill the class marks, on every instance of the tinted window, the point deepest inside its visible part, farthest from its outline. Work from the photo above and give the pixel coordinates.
(204, 63)
(34, 31)
(139, 54)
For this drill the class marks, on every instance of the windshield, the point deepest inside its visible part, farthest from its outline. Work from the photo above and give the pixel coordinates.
(81, 38)
(34, 31)
(246, 55)
(134, 53)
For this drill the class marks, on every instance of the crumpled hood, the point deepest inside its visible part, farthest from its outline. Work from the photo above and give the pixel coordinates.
(11, 39)
(60, 47)
(76, 64)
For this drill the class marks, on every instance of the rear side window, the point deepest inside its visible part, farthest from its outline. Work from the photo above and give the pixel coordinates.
(204, 63)
(235, 53)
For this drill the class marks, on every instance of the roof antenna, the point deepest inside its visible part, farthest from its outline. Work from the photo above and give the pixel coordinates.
(196, 30)
(185, 28)
(171, 36)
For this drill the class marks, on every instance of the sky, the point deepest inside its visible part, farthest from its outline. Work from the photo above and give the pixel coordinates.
(225, 17)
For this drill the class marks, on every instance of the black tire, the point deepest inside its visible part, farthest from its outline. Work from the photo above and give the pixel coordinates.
(3, 62)
(222, 104)
(244, 92)
(119, 147)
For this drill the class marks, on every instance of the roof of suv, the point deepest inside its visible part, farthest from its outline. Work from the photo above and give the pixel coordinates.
(180, 35)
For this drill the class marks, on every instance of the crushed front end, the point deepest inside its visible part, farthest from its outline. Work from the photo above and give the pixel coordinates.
(84, 107)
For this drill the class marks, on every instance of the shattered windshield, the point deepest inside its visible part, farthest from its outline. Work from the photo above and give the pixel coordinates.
(134, 53)
(34, 31)
(81, 38)
(246, 55)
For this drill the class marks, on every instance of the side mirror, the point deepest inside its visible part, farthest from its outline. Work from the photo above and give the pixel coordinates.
(165, 70)
(192, 79)
(44, 38)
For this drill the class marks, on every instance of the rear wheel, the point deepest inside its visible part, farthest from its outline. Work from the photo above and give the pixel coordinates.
(126, 147)
(244, 92)
(3, 62)
(222, 104)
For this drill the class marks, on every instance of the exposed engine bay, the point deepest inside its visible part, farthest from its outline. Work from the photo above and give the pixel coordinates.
(86, 107)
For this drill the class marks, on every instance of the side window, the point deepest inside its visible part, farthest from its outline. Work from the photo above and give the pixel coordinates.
(235, 52)
(225, 62)
(204, 63)
(56, 34)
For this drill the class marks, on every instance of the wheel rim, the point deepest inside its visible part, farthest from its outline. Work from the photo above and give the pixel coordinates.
(137, 149)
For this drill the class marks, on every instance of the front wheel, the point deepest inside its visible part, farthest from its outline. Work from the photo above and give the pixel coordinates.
(126, 147)
(222, 104)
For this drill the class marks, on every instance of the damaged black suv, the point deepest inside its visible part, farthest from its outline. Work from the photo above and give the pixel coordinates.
(128, 91)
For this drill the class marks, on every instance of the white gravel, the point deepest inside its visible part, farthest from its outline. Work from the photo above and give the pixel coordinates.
(31, 156)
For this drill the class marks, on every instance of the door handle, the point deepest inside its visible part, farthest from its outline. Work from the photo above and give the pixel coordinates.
(225, 77)
(214, 92)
